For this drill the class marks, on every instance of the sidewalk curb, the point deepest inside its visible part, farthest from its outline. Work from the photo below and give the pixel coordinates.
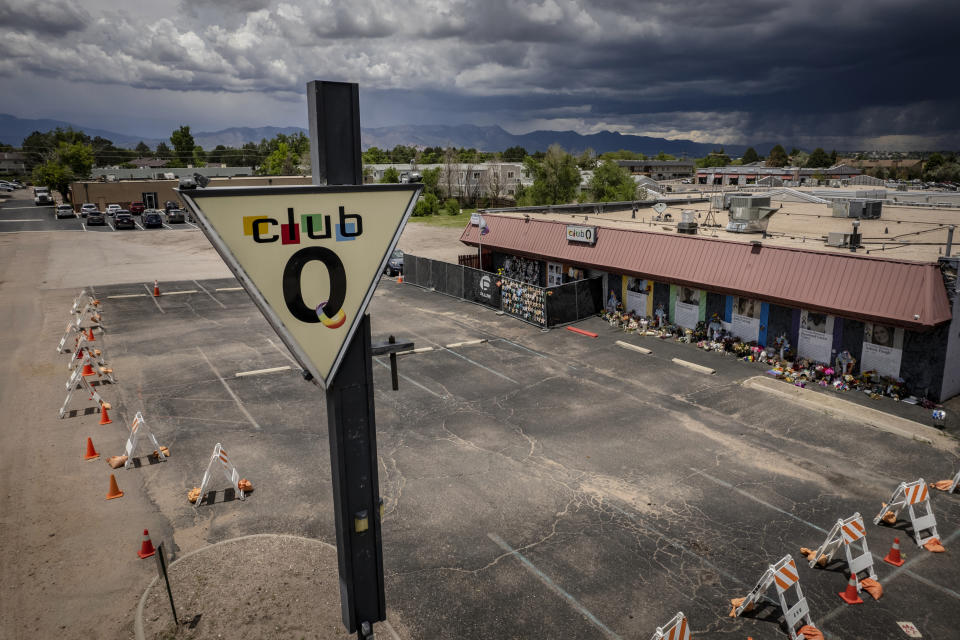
(867, 416)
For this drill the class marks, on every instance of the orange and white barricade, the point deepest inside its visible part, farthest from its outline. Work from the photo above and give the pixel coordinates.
(852, 536)
(83, 302)
(78, 381)
(784, 575)
(916, 498)
(677, 629)
(219, 457)
(138, 430)
(90, 362)
(72, 327)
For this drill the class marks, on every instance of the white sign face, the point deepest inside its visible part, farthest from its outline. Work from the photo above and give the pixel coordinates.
(660, 207)
(882, 349)
(474, 219)
(309, 256)
(576, 233)
(745, 320)
(815, 341)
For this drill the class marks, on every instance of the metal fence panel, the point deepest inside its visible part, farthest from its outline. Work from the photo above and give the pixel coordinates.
(454, 281)
(410, 268)
(481, 287)
(438, 274)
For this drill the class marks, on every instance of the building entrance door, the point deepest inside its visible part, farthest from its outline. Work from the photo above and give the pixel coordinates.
(150, 200)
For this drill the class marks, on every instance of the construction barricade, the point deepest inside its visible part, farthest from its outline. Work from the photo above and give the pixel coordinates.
(784, 575)
(79, 381)
(850, 534)
(915, 497)
(220, 457)
(677, 629)
(138, 430)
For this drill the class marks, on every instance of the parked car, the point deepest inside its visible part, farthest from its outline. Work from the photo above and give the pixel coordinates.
(395, 263)
(176, 216)
(113, 208)
(96, 217)
(64, 211)
(169, 205)
(42, 197)
(86, 208)
(123, 219)
(137, 208)
(6, 186)
(150, 218)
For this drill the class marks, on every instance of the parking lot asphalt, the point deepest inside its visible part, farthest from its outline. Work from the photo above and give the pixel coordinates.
(536, 484)
(19, 213)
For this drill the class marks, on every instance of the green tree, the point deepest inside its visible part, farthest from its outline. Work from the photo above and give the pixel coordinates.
(375, 155)
(199, 158)
(451, 207)
(833, 158)
(428, 205)
(163, 151)
(587, 159)
(750, 155)
(183, 144)
(612, 183)
(431, 180)
(622, 154)
(142, 149)
(390, 175)
(818, 158)
(555, 179)
(217, 154)
(514, 154)
(280, 162)
(402, 154)
(777, 157)
(431, 155)
(77, 157)
(665, 156)
(716, 158)
(54, 175)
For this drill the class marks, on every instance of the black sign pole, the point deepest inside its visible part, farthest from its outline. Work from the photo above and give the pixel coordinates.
(162, 570)
(335, 156)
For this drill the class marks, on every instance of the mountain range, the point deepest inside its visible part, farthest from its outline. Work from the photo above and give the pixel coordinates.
(488, 138)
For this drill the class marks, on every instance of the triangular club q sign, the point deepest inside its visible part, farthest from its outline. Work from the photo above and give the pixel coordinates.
(309, 256)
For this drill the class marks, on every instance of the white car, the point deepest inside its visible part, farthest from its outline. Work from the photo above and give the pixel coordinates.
(41, 196)
(64, 211)
(87, 207)
(112, 209)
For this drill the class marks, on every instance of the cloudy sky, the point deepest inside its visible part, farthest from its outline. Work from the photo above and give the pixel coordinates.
(848, 75)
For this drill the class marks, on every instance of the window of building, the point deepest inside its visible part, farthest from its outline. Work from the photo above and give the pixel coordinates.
(509, 174)
(476, 175)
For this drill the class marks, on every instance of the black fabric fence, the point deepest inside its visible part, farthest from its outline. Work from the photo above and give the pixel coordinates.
(563, 304)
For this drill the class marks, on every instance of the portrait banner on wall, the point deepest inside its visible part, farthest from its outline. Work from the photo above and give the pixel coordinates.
(636, 296)
(882, 349)
(688, 307)
(815, 341)
(745, 320)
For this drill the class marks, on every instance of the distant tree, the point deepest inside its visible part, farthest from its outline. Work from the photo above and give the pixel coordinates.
(514, 154)
(716, 158)
(142, 149)
(799, 159)
(183, 144)
(281, 161)
(622, 154)
(199, 157)
(664, 157)
(390, 175)
(451, 207)
(402, 154)
(833, 158)
(587, 159)
(750, 155)
(375, 155)
(467, 156)
(428, 205)
(818, 158)
(777, 157)
(794, 151)
(77, 156)
(612, 183)
(555, 180)
(431, 180)
(54, 175)
(431, 155)
(449, 169)
(163, 151)
(217, 155)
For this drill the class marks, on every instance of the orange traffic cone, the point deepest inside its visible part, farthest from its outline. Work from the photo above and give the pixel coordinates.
(893, 556)
(88, 370)
(104, 416)
(156, 289)
(146, 547)
(90, 337)
(850, 596)
(114, 491)
(400, 279)
(91, 452)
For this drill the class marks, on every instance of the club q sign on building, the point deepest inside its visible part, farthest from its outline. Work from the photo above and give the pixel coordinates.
(309, 256)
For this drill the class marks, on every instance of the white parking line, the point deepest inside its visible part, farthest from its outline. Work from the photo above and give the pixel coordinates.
(545, 579)
(257, 372)
(165, 226)
(153, 297)
(193, 225)
(128, 295)
(43, 206)
(410, 380)
(242, 408)
(230, 289)
(83, 225)
(138, 225)
(466, 343)
(177, 293)
(418, 350)
(496, 373)
(209, 294)
(25, 220)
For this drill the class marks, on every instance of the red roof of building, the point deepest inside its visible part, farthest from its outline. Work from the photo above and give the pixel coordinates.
(898, 292)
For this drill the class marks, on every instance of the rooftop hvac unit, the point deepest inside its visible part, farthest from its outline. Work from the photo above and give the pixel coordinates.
(749, 214)
(723, 200)
(838, 239)
(688, 222)
(858, 208)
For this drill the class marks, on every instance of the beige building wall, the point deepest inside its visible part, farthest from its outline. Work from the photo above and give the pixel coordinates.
(124, 192)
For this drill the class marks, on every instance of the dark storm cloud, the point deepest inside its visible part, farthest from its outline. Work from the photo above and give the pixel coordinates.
(741, 71)
(46, 17)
